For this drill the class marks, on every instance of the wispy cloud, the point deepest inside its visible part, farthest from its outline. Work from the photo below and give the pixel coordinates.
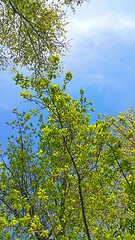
(103, 27)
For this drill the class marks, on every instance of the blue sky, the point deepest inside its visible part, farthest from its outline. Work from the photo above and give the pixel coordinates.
(102, 59)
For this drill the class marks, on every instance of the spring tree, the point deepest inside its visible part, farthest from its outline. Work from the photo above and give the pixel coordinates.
(63, 177)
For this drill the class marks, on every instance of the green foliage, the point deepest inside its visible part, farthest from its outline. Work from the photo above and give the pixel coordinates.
(61, 177)
(31, 31)
(76, 181)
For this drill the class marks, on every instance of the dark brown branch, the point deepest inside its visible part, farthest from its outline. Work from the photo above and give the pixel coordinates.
(12, 210)
(79, 178)
(22, 16)
(121, 169)
(80, 191)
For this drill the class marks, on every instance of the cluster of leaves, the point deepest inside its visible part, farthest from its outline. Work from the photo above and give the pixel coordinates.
(32, 31)
(77, 180)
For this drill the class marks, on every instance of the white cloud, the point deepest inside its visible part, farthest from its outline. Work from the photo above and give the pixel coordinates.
(103, 26)
(103, 33)
(115, 23)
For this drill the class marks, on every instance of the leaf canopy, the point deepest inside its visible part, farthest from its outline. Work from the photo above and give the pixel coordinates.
(77, 180)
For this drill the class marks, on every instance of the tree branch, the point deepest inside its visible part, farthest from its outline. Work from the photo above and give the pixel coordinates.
(79, 179)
